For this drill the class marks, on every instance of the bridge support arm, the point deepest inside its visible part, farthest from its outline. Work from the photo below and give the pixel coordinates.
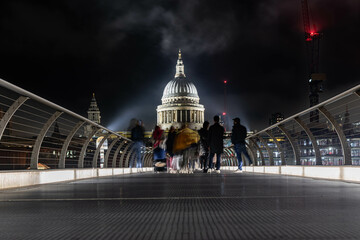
(96, 154)
(84, 147)
(123, 154)
(344, 145)
(312, 139)
(128, 156)
(283, 162)
(116, 153)
(10, 112)
(108, 152)
(36, 150)
(271, 158)
(260, 152)
(292, 143)
(66, 144)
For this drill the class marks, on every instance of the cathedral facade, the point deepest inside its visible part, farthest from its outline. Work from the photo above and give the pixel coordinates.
(180, 102)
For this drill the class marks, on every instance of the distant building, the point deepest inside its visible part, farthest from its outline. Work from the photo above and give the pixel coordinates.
(93, 115)
(180, 102)
(275, 118)
(94, 111)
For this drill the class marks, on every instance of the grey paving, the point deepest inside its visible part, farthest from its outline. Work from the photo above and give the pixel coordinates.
(197, 206)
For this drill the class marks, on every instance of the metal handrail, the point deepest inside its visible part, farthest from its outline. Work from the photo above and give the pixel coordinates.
(26, 93)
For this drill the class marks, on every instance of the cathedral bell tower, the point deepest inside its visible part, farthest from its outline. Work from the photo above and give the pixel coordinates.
(94, 111)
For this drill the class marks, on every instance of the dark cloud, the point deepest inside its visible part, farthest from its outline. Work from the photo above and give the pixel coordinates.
(175, 26)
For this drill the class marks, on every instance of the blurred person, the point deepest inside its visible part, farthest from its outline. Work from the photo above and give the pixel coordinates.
(216, 144)
(159, 149)
(238, 135)
(186, 144)
(169, 147)
(137, 136)
(204, 145)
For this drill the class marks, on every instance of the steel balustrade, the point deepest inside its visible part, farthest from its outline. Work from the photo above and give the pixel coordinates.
(332, 140)
(109, 150)
(67, 142)
(118, 150)
(36, 133)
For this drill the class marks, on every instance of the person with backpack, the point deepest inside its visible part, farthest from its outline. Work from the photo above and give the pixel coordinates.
(238, 136)
(204, 145)
(216, 144)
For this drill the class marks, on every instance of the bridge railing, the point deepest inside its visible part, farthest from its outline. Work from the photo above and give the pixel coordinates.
(38, 134)
(325, 134)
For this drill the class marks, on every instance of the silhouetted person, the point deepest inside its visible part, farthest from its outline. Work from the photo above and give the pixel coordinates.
(238, 136)
(216, 135)
(137, 135)
(204, 145)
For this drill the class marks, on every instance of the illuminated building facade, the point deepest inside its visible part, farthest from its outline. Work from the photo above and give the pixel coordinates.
(180, 102)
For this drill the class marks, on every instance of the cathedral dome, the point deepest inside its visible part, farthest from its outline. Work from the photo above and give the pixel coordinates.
(180, 87)
(180, 102)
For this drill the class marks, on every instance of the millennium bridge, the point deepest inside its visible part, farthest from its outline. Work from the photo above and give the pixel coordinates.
(63, 176)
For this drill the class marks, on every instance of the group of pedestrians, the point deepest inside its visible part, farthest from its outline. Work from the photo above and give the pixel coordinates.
(181, 150)
(210, 145)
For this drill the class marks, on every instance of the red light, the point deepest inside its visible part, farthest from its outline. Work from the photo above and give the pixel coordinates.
(224, 113)
(225, 81)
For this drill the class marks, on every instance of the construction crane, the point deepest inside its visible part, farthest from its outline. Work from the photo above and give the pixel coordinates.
(312, 42)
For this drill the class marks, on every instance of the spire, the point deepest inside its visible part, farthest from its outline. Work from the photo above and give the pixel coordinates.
(94, 111)
(180, 67)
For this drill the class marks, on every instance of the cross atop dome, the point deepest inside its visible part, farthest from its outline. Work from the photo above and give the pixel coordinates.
(180, 67)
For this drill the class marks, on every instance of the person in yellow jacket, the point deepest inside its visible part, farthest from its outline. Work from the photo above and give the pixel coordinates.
(186, 144)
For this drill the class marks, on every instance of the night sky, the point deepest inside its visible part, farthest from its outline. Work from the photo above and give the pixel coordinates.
(125, 51)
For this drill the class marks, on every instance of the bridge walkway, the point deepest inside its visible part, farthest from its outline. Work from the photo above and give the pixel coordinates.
(179, 206)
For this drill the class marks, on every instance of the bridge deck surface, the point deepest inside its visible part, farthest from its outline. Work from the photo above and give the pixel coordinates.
(196, 206)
